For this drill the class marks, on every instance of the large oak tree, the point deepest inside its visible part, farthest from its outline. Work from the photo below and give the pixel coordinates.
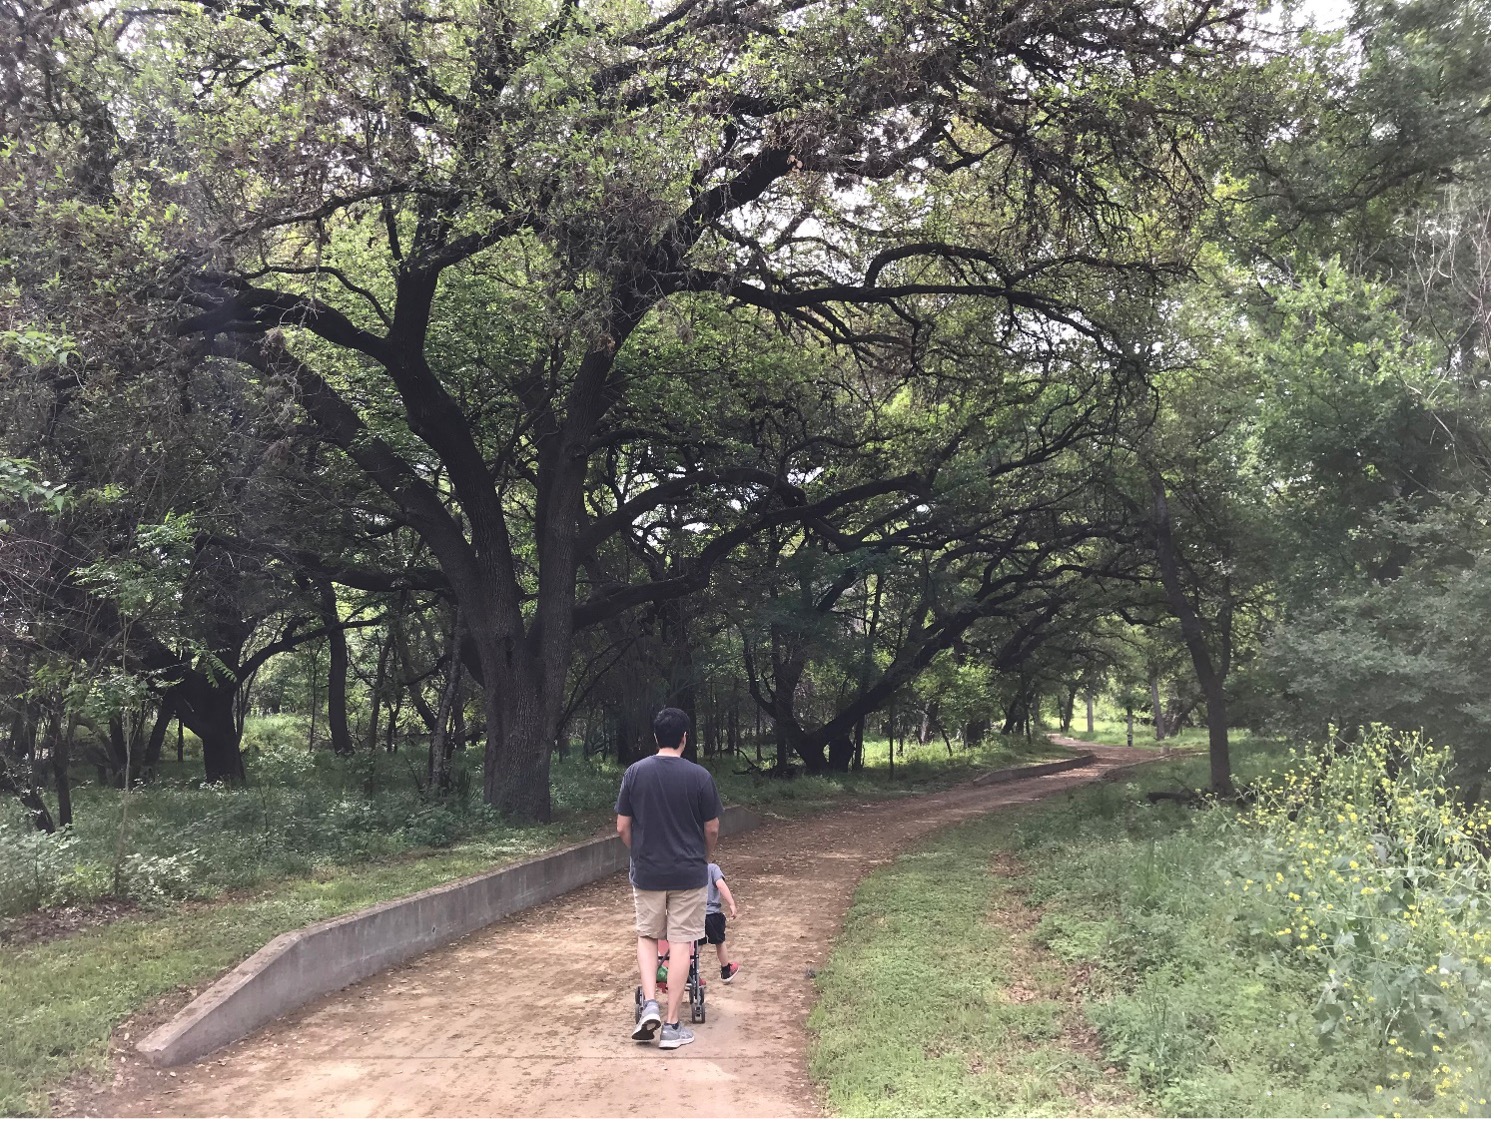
(349, 196)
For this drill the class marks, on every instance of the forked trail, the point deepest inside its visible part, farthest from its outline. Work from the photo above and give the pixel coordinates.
(530, 1017)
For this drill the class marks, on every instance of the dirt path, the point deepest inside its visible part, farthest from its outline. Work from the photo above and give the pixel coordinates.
(529, 1017)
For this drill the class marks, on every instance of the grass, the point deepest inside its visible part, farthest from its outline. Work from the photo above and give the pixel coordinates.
(921, 768)
(938, 1001)
(1005, 945)
(311, 837)
(1111, 728)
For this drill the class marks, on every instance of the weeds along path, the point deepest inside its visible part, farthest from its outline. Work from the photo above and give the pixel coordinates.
(530, 1017)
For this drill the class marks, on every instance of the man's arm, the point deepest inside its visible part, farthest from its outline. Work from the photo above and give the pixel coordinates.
(710, 811)
(624, 808)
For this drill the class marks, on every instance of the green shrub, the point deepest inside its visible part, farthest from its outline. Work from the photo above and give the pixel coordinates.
(36, 869)
(50, 869)
(1195, 988)
(433, 826)
(1358, 862)
(160, 879)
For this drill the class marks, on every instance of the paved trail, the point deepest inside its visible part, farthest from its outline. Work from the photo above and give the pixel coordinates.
(529, 1017)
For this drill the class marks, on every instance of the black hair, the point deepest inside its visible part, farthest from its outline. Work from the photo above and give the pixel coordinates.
(670, 726)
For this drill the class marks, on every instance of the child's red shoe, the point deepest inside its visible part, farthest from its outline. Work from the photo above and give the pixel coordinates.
(728, 971)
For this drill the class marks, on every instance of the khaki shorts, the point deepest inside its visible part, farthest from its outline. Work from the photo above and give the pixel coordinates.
(676, 915)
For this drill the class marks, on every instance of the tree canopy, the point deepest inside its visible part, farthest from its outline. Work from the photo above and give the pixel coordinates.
(814, 362)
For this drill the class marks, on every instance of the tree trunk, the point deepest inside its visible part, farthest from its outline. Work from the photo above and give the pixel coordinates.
(207, 707)
(117, 751)
(1011, 721)
(1173, 716)
(157, 740)
(337, 671)
(17, 774)
(411, 677)
(516, 770)
(1157, 726)
(222, 760)
(794, 740)
(459, 720)
(867, 655)
(391, 731)
(632, 732)
(1211, 682)
(62, 754)
(376, 694)
(1089, 714)
(29, 796)
(438, 765)
(315, 656)
(812, 752)
(130, 760)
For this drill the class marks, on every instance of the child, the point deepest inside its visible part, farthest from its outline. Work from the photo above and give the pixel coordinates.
(715, 923)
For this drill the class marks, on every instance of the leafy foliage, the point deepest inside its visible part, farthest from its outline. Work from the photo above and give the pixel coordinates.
(1361, 860)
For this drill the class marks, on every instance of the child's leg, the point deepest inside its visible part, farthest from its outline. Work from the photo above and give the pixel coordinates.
(716, 933)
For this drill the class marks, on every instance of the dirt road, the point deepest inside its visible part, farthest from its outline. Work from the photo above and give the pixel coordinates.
(530, 1017)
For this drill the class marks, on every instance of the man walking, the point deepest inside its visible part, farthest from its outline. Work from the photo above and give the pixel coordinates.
(668, 814)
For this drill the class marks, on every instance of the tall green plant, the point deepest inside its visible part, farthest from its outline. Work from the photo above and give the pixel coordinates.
(1360, 860)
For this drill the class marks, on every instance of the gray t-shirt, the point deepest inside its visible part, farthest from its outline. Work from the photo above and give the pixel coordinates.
(713, 893)
(669, 799)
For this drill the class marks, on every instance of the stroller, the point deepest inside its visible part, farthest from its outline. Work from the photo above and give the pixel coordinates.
(694, 988)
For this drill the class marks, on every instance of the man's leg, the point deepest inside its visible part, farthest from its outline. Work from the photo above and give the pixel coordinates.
(686, 926)
(648, 964)
(679, 973)
(649, 919)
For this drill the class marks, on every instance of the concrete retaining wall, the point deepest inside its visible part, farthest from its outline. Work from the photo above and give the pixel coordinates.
(1007, 774)
(304, 964)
